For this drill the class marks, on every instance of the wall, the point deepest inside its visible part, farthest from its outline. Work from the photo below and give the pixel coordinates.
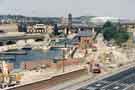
(45, 84)
(85, 42)
(32, 64)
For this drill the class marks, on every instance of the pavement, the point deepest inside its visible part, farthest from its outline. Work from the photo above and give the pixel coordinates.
(29, 77)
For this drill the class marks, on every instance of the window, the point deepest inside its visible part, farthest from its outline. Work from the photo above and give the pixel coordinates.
(1, 44)
(10, 42)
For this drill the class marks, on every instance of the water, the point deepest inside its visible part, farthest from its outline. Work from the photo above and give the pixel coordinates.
(52, 54)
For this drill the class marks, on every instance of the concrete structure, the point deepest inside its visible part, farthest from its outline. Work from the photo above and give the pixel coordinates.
(18, 40)
(19, 36)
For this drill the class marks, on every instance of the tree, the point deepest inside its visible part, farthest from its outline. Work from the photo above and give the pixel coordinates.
(109, 30)
(107, 24)
(109, 33)
(121, 37)
(56, 29)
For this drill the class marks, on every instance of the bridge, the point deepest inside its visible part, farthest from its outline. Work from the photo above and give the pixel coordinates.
(13, 41)
(20, 37)
(13, 53)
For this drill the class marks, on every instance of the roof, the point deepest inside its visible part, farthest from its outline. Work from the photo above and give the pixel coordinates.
(104, 19)
(127, 21)
(75, 25)
(75, 40)
(84, 34)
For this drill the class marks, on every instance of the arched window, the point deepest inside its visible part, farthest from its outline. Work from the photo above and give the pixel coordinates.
(1, 31)
(10, 42)
(38, 40)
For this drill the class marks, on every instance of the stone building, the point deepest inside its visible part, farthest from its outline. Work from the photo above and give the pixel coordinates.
(83, 39)
(40, 28)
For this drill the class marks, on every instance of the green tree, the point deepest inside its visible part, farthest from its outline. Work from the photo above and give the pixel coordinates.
(121, 37)
(107, 24)
(109, 33)
(109, 30)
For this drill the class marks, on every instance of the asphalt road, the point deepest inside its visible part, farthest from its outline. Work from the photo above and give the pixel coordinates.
(120, 81)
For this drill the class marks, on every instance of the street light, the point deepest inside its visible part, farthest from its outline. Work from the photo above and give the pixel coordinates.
(63, 52)
(63, 57)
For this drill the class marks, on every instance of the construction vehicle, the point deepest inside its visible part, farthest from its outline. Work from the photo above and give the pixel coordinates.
(96, 68)
(94, 48)
(7, 78)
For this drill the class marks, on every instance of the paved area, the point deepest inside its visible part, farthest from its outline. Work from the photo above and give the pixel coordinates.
(119, 81)
(30, 77)
(47, 73)
(45, 84)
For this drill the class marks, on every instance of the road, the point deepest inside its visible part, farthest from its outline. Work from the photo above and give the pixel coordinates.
(120, 81)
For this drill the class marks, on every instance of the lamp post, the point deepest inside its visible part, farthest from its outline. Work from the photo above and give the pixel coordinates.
(63, 52)
(63, 58)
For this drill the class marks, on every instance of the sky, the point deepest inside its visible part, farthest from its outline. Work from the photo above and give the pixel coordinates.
(45, 8)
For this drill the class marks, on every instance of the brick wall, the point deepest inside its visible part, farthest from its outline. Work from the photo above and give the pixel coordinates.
(32, 64)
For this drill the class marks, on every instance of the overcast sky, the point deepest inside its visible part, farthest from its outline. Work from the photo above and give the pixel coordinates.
(116, 8)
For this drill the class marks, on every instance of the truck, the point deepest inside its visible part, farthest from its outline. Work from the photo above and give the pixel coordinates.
(96, 68)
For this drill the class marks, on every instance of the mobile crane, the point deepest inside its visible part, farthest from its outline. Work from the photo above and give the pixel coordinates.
(7, 78)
